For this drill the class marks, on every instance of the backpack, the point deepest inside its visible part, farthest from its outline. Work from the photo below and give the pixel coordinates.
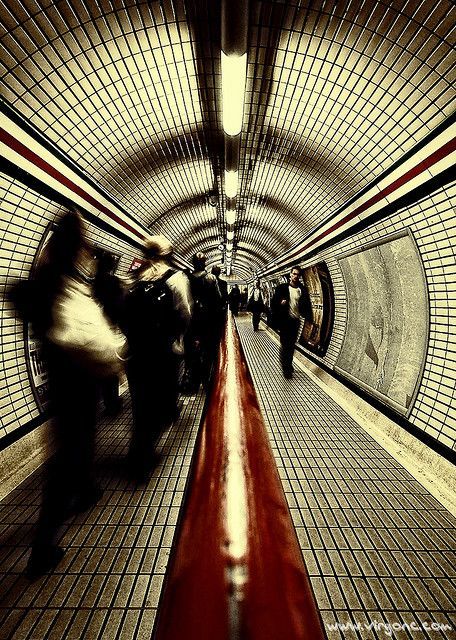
(150, 318)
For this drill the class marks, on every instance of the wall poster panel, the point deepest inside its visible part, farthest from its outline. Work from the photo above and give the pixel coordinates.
(385, 342)
(316, 331)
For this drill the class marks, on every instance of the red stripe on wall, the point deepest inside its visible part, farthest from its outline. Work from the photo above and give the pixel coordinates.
(35, 159)
(428, 162)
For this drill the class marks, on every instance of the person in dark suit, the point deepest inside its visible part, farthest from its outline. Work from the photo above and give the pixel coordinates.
(222, 285)
(234, 299)
(204, 332)
(256, 305)
(223, 288)
(290, 302)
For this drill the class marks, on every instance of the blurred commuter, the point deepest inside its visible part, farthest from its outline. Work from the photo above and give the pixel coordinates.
(244, 299)
(157, 313)
(222, 285)
(223, 288)
(110, 293)
(204, 330)
(290, 302)
(234, 300)
(256, 305)
(79, 347)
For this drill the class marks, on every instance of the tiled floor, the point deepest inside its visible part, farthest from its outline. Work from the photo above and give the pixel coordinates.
(380, 550)
(109, 582)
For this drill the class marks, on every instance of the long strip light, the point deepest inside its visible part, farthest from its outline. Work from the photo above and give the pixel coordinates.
(231, 183)
(230, 216)
(234, 69)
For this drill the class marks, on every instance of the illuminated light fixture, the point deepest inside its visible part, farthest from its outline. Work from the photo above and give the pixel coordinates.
(228, 270)
(234, 69)
(231, 183)
(230, 235)
(230, 216)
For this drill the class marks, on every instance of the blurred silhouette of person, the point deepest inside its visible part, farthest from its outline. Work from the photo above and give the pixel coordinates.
(289, 303)
(157, 314)
(234, 299)
(110, 293)
(244, 298)
(203, 336)
(222, 285)
(223, 288)
(79, 347)
(256, 305)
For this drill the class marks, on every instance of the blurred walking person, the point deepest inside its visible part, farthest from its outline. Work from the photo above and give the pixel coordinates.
(157, 314)
(79, 348)
(234, 300)
(110, 293)
(204, 333)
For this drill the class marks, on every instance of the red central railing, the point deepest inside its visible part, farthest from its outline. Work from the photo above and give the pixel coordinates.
(237, 570)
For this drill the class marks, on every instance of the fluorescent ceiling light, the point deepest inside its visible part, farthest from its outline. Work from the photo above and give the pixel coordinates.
(230, 216)
(230, 235)
(228, 270)
(231, 183)
(233, 92)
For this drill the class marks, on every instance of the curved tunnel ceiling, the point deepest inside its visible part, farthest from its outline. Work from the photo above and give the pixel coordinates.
(131, 91)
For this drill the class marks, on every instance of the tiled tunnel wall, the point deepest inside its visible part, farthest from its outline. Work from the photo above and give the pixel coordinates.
(24, 219)
(433, 225)
(25, 216)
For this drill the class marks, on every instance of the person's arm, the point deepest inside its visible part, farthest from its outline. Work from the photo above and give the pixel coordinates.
(179, 285)
(305, 306)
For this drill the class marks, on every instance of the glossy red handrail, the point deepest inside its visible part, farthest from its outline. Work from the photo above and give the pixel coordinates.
(237, 570)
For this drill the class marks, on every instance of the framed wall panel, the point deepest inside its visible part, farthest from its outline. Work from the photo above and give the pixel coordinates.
(386, 336)
(316, 331)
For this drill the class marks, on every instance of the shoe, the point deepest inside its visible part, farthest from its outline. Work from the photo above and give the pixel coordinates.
(140, 472)
(113, 410)
(288, 373)
(43, 561)
(86, 500)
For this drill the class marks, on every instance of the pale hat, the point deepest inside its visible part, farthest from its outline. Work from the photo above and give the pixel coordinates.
(157, 246)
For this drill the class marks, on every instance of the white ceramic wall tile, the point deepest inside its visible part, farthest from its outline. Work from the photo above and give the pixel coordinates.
(433, 225)
(24, 218)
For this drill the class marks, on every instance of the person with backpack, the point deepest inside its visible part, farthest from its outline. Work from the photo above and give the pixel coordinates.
(157, 313)
(204, 333)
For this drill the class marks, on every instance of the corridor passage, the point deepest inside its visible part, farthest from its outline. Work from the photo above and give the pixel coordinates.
(379, 549)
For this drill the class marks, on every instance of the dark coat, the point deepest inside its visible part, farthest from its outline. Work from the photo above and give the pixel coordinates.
(255, 306)
(280, 312)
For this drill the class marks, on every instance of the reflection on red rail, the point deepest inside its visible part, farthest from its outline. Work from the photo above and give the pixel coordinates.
(237, 569)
